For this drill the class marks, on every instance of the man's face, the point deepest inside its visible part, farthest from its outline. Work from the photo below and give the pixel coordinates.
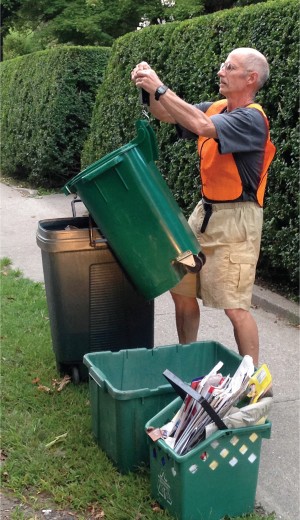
(233, 75)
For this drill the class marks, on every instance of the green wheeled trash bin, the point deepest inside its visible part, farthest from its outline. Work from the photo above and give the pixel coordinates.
(92, 304)
(133, 206)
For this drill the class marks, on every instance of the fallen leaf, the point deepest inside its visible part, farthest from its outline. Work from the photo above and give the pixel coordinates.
(100, 514)
(43, 388)
(59, 438)
(156, 507)
(35, 380)
(96, 513)
(3, 455)
(5, 476)
(61, 384)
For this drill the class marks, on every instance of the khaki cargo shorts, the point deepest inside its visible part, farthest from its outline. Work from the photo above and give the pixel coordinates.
(231, 243)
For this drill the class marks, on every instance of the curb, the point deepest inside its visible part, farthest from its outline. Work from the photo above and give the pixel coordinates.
(273, 302)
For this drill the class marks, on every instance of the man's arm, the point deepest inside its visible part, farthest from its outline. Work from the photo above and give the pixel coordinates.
(158, 111)
(188, 116)
(170, 108)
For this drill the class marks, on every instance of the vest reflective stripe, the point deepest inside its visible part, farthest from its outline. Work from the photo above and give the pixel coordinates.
(220, 177)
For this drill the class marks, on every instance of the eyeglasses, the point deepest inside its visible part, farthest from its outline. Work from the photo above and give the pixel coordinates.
(228, 67)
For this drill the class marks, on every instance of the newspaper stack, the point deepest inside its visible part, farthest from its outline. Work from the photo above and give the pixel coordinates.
(187, 428)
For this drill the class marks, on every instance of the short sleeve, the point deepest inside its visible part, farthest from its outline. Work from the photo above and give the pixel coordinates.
(242, 130)
(184, 133)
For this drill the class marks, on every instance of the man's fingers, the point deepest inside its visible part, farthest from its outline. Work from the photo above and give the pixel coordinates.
(144, 65)
(140, 66)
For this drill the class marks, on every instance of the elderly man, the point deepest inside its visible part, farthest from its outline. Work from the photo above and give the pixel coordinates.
(235, 153)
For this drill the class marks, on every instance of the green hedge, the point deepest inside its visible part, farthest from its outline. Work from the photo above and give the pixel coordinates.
(187, 55)
(47, 99)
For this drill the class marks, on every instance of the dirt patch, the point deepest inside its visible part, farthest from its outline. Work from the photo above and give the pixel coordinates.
(10, 505)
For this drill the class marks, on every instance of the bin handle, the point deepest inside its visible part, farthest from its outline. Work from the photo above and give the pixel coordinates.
(147, 140)
(95, 380)
(73, 202)
(89, 176)
(94, 241)
(95, 377)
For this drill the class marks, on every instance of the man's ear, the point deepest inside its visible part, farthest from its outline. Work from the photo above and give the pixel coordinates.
(252, 77)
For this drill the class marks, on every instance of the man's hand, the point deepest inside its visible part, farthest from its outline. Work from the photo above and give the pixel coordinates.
(140, 66)
(145, 77)
(170, 108)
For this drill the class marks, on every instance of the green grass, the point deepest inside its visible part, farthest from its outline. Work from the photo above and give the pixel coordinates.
(72, 473)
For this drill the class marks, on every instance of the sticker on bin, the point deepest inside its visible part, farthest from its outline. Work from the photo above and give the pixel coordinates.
(214, 402)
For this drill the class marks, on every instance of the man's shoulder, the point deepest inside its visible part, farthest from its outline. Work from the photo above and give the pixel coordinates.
(252, 113)
(256, 113)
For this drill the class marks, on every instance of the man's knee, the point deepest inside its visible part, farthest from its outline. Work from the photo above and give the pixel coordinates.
(184, 301)
(236, 316)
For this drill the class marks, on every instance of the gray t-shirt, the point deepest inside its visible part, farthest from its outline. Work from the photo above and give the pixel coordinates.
(242, 132)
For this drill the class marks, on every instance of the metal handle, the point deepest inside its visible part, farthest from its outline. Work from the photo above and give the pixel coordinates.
(74, 201)
(94, 241)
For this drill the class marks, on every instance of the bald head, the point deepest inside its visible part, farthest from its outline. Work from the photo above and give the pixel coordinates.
(253, 61)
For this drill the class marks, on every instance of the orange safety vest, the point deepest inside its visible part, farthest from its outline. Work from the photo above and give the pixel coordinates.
(221, 181)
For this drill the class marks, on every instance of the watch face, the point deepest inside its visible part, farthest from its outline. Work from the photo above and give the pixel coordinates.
(160, 90)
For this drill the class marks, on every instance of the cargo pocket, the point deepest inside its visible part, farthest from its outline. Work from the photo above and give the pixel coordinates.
(242, 267)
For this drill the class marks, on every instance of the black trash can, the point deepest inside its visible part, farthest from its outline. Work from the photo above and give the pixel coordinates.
(92, 304)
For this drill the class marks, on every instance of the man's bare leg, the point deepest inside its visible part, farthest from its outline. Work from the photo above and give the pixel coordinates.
(245, 332)
(187, 314)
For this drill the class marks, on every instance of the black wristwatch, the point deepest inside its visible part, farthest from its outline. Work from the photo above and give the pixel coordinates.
(160, 91)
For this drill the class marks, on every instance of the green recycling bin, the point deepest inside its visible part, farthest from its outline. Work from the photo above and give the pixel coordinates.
(134, 208)
(127, 388)
(217, 479)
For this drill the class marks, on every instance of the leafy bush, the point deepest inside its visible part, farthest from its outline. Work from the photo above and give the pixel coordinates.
(187, 55)
(19, 43)
(47, 100)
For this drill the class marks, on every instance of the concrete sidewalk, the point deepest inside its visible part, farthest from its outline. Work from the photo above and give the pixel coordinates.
(278, 487)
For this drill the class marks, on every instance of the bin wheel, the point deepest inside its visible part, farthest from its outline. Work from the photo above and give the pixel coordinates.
(199, 263)
(75, 376)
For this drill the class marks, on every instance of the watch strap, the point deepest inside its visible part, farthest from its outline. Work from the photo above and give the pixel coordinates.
(160, 91)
